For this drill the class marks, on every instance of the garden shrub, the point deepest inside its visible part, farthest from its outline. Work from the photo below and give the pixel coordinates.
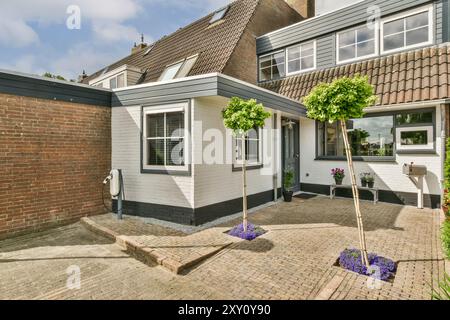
(350, 259)
(446, 237)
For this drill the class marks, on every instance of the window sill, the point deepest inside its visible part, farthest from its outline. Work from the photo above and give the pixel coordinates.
(248, 168)
(418, 152)
(358, 159)
(183, 173)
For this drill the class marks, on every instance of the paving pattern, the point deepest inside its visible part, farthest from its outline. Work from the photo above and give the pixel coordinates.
(294, 260)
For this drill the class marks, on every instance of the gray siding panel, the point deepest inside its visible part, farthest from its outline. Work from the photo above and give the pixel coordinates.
(326, 51)
(210, 86)
(335, 21)
(41, 88)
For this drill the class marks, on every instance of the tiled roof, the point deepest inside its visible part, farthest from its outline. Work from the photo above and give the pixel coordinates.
(214, 44)
(414, 76)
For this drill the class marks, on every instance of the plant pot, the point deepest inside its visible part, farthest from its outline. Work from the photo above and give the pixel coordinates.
(370, 184)
(338, 181)
(287, 195)
(363, 183)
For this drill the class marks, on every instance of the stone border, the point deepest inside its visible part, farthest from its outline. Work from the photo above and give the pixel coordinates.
(144, 254)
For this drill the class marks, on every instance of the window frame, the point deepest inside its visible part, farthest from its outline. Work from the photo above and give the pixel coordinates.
(237, 164)
(286, 60)
(182, 64)
(396, 152)
(221, 17)
(404, 15)
(176, 106)
(271, 66)
(376, 39)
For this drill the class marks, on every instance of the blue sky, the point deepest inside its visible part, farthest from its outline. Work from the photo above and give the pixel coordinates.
(34, 37)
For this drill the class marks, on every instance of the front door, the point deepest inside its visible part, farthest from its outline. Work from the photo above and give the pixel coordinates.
(291, 149)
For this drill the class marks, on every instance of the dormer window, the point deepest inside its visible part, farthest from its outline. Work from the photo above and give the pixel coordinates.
(408, 30)
(357, 44)
(117, 82)
(218, 15)
(178, 70)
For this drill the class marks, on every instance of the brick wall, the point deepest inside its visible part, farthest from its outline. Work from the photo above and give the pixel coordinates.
(53, 158)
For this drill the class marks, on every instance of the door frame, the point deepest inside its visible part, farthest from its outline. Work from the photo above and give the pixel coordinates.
(297, 181)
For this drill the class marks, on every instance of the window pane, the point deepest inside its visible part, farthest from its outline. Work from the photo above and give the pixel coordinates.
(294, 66)
(365, 34)
(265, 62)
(366, 48)
(170, 72)
(417, 36)
(175, 124)
(307, 63)
(278, 58)
(253, 134)
(155, 125)
(414, 118)
(331, 140)
(186, 68)
(278, 71)
(113, 83)
(307, 48)
(251, 153)
(175, 152)
(394, 42)
(155, 152)
(347, 53)
(372, 137)
(394, 27)
(411, 138)
(265, 74)
(294, 53)
(120, 81)
(346, 38)
(416, 21)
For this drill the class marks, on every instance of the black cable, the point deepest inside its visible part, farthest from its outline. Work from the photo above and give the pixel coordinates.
(103, 199)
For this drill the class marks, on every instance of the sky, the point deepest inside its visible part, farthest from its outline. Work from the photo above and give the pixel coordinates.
(65, 37)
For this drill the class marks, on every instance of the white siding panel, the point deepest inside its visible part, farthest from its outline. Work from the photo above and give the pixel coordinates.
(126, 155)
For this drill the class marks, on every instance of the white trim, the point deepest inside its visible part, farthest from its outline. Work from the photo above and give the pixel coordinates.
(403, 15)
(168, 108)
(113, 73)
(406, 106)
(376, 40)
(430, 138)
(314, 42)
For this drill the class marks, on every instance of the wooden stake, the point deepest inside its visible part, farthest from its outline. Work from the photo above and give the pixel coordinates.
(244, 183)
(362, 236)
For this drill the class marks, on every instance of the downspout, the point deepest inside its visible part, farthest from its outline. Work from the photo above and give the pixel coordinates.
(275, 156)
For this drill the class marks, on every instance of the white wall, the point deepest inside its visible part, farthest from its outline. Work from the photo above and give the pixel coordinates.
(389, 175)
(126, 155)
(217, 182)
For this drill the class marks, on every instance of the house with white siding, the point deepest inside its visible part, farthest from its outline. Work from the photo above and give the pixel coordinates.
(180, 163)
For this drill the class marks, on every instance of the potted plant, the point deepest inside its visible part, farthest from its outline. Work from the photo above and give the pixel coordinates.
(288, 183)
(363, 180)
(338, 175)
(370, 179)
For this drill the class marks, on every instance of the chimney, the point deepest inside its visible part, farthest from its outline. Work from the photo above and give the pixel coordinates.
(82, 77)
(139, 47)
(306, 8)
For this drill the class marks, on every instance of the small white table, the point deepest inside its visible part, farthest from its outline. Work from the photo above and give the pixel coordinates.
(334, 187)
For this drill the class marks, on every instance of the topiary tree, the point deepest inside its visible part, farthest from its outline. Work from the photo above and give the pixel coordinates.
(241, 116)
(342, 100)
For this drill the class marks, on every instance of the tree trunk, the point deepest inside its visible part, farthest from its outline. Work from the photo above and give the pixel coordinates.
(362, 236)
(244, 184)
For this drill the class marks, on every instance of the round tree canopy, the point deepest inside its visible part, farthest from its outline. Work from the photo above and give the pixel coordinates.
(244, 115)
(343, 99)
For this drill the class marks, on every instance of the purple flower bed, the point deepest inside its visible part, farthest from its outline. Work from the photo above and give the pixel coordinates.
(350, 259)
(252, 233)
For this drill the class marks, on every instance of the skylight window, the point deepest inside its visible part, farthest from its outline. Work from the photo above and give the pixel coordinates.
(218, 15)
(148, 50)
(178, 70)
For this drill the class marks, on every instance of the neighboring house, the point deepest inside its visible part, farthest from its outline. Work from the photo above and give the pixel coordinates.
(406, 57)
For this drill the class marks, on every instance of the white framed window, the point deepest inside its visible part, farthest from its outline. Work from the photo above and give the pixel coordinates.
(358, 43)
(219, 15)
(165, 137)
(253, 149)
(409, 30)
(272, 66)
(178, 70)
(301, 58)
(415, 138)
(117, 81)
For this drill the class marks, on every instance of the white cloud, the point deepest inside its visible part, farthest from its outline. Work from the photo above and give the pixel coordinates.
(26, 63)
(16, 33)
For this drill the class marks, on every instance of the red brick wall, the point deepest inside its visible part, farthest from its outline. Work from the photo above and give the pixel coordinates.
(53, 159)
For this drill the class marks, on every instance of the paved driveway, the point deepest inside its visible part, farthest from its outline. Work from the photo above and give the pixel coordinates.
(294, 260)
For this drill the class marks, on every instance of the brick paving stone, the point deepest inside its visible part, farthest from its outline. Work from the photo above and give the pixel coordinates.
(293, 260)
